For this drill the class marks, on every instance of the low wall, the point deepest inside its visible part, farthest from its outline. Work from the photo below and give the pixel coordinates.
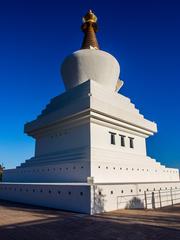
(93, 198)
(71, 197)
(109, 197)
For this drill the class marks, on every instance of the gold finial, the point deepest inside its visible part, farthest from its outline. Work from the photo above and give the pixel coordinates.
(89, 27)
(89, 17)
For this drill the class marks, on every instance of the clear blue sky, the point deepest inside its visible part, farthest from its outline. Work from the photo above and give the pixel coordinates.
(36, 36)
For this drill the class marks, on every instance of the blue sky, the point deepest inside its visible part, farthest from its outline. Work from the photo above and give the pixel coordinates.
(37, 35)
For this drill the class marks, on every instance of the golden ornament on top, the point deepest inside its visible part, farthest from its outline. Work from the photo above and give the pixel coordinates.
(89, 17)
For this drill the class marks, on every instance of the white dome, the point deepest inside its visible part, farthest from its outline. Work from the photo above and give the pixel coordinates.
(93, 64)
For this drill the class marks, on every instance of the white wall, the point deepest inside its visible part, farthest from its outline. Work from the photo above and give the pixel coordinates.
(107, 172)
(62, 139)
(116, 164)
(109, 197)
(95, 198)
(75, 171)
(67, 197)
(101, 138)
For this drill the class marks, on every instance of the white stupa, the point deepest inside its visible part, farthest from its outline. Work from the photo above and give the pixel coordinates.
(90, 152)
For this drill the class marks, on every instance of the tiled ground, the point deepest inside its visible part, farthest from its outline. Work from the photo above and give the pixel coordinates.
(23, 222)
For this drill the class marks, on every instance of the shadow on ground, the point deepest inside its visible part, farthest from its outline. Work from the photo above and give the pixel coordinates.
(25, 222)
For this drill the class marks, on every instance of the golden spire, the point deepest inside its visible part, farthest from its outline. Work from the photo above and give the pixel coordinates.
(89, 27)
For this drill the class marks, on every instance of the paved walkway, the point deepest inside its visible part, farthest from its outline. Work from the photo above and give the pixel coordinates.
(23, 222)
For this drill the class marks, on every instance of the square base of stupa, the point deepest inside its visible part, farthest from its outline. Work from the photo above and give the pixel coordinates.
(77, 168)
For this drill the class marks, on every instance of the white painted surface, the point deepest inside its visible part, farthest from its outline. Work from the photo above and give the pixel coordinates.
(78, 146)
(95, 198)
(88, 64)
(67, 197)
(65, 171)
(63, 139)
(109, 197)
(100, 138)
(73, 144)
